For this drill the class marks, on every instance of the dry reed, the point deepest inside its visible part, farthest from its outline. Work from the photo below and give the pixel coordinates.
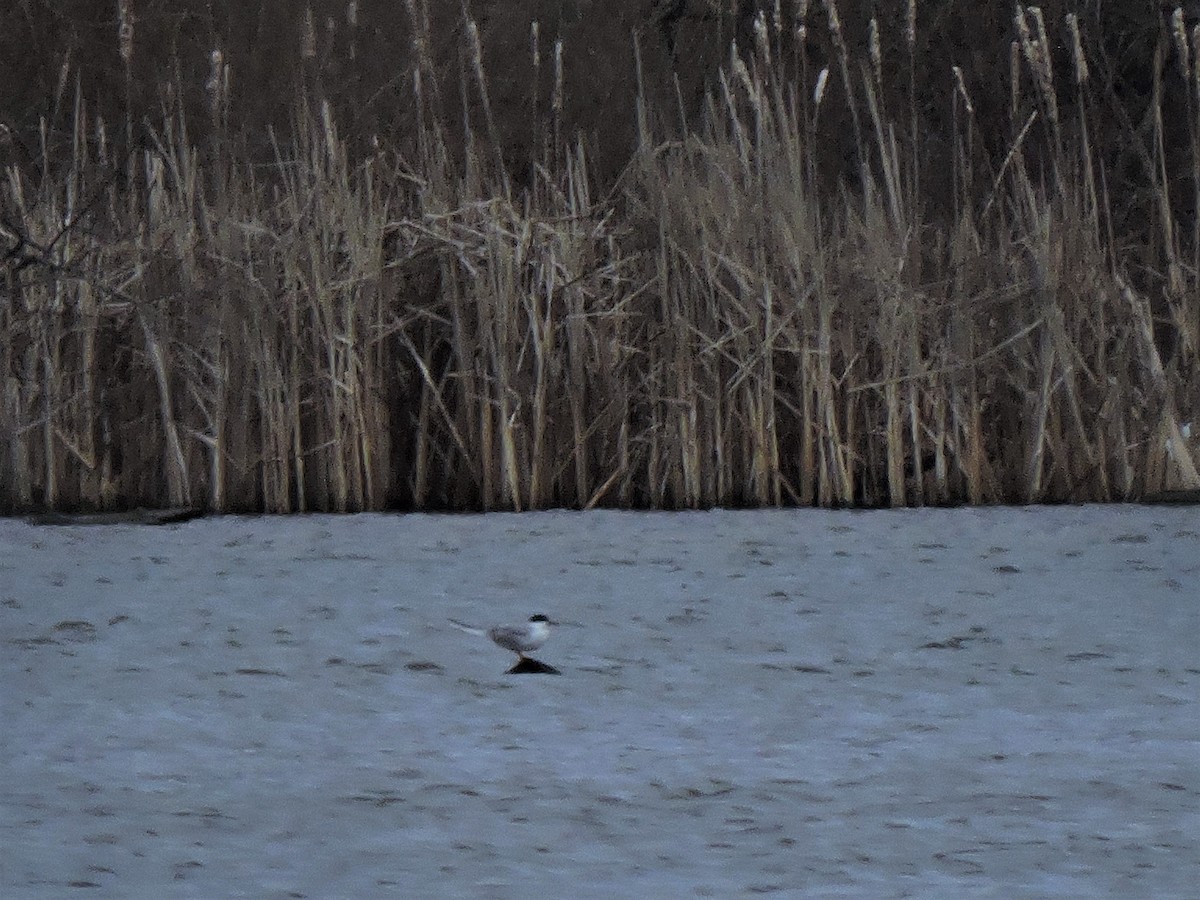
(723, 326)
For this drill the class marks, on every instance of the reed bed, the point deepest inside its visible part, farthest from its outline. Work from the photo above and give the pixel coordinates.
(727, 323)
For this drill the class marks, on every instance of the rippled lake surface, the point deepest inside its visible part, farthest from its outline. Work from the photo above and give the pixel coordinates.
(950, 703)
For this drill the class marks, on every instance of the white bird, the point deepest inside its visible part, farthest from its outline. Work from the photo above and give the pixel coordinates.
(520, 639)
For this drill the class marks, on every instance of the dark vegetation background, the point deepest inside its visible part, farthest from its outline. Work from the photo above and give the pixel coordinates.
(141, 172)
(364, 62)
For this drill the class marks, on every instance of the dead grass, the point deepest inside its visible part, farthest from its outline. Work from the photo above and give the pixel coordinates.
(726, 324)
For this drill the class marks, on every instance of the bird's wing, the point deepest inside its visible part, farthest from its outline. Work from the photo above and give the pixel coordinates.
(463, 626)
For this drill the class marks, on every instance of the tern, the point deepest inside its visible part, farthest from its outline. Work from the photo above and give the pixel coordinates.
(520, 639)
